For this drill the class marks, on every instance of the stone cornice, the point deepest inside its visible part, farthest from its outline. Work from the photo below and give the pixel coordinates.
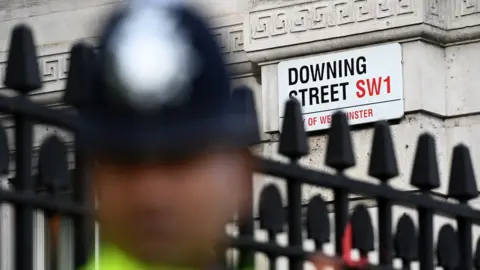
(414, 32)
(14, 10)
(285, 29)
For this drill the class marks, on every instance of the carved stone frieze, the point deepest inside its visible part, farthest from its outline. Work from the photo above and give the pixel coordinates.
(327, 19)
(231, 42)
(465, 13)
(23, 9)
(54, 67)
(299, 22)
(53, 70)
(435, 13)
(467, 7)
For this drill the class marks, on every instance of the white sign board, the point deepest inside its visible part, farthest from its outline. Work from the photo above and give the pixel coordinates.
(367, 84)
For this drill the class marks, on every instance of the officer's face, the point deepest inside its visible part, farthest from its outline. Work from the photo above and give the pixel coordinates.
(171, 212)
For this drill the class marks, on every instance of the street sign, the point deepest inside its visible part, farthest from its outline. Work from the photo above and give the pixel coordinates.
(367, 84)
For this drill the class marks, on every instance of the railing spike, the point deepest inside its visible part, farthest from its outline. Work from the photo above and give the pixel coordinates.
(462, 185)
(317, 223)
(362, 230)
(448, 256)
(339, 150)
(22, 72)
(293, 139)
(270, 209)
(406, 241)
(53, 164)
(383, 162)
(425, 173)
(80, 81)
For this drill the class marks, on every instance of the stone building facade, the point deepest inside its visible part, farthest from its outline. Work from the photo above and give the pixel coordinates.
(440, 42)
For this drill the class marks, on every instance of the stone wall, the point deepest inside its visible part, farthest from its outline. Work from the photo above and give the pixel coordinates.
(440, 71)
(440, 66)
(440, 47)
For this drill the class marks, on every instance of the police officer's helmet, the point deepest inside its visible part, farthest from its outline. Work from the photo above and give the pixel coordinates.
(162, 86)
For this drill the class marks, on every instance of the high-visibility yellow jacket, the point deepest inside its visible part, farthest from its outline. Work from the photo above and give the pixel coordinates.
(112, 258)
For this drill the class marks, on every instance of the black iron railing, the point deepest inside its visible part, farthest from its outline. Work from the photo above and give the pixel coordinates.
(351, 229)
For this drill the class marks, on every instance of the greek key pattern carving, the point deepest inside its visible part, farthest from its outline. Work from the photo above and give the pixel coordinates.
(466, 7)
(325, 14)
(53, 68)
(230, 38)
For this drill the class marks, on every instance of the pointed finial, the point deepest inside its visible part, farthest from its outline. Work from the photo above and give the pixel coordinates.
(448, 256)
(244, 97)
(271, 213)
(363, 237)
(317, 223)
(80, 80)
(339, 150)
(53, 170)
(462, 185)
(22, 73)
(293, 139)
(383, 163)
(406, 239)
(425, 173)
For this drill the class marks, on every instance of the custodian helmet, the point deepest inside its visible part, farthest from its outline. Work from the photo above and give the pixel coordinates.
(161, 86)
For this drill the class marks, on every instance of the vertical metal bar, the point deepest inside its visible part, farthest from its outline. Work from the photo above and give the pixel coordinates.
(340, 202)
(23, 183)
(406, 265)
(272, 257)
(464, 227)
(425, 217)
(385, 232)
(82, 223)
(246, 229)
(3, 219)
(247, 257)
(7, 229)
(295, 239)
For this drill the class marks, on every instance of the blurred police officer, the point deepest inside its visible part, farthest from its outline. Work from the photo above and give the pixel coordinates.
(167, 142)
